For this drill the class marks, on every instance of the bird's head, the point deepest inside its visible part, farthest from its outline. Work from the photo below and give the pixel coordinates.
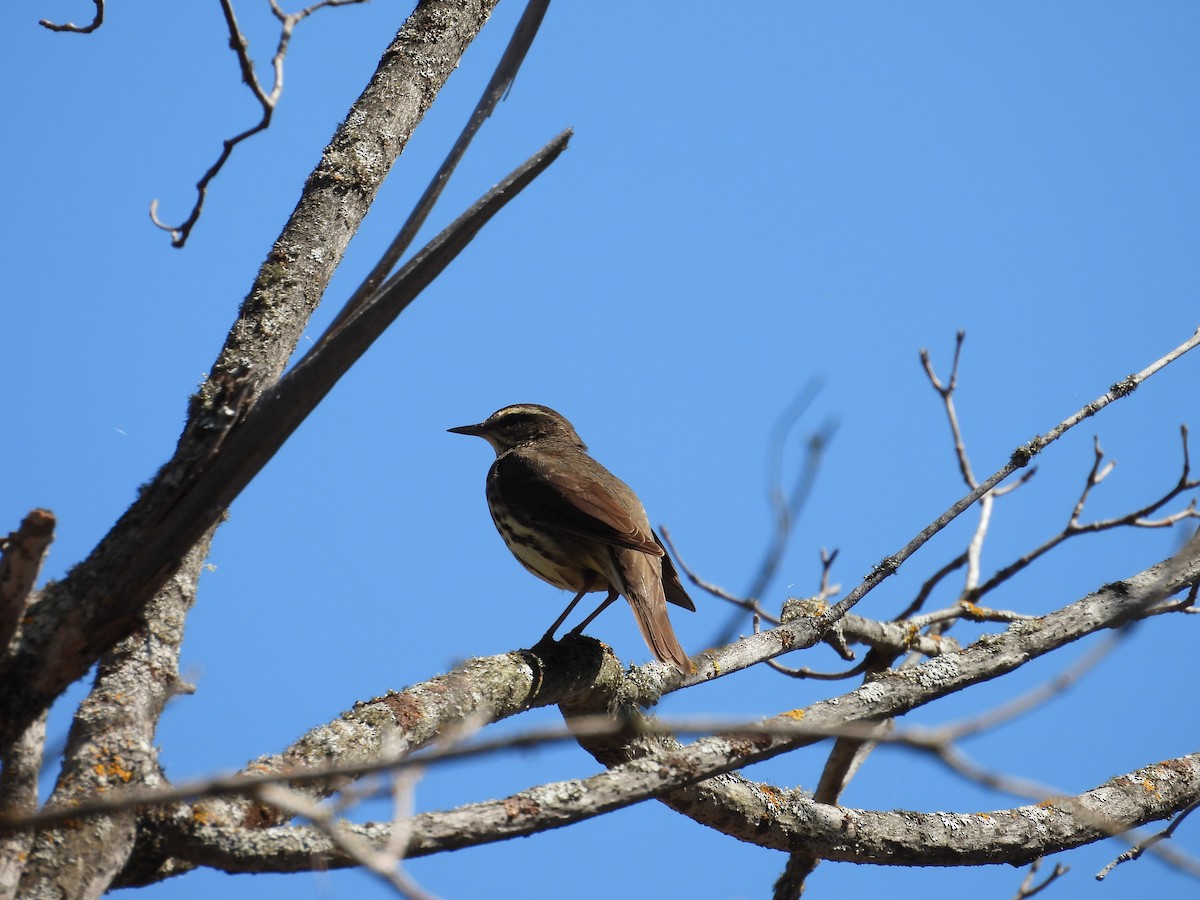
(521, 424)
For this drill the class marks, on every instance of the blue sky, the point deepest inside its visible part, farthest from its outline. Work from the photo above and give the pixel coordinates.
(753, 198)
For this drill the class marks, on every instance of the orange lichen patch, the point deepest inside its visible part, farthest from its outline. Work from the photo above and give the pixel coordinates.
(111, 766)
(202, 816)
(971, 609)
(811, 606)
(794, 714)
(1150, 786)
(774, 796)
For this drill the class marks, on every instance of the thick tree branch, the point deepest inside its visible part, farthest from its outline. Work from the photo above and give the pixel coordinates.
(736, 805)
(891, 694)
(19, 797)
(22, 554)
(397, 724)
(110, 748)
(648, 767)
(1012, 836)
(101, 600)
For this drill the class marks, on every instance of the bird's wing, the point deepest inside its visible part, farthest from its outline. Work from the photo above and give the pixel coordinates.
(581, 497)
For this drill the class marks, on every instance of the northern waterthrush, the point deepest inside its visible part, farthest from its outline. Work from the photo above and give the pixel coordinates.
(571, 522)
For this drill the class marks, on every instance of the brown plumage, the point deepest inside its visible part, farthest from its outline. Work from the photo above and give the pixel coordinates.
(573, 523)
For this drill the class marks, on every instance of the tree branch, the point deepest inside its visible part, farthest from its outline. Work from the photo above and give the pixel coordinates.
(102, 598)
(96, 22)
(110, 748)
(267, 101)
(1011, 836)
(499, 84)
(22, 554)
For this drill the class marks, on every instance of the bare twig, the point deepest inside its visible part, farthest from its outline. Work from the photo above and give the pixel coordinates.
(936, 743)
(1029, 889)
(96, 22)
(932, 582)
(1020, 458)
(267, 101)
(835, 637)
(946, 391)
(825, 589)
(968, 611)
(1013, 485)
(1134, 852)
(403, 790)
(377, 862)
(1139, 518)
(889, 638)
(803, 672)
(749, 604)
(785, 504)
(814, 606)
(497, 87)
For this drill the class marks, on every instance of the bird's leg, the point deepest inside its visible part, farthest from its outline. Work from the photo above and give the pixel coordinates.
(578, 629)
(549, 635)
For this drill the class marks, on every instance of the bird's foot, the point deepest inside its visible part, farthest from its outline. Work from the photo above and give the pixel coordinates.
(545, 640)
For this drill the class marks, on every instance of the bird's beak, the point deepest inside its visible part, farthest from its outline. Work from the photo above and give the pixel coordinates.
(476, 430)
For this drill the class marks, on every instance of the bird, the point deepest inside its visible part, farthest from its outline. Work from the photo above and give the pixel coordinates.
(574, 524)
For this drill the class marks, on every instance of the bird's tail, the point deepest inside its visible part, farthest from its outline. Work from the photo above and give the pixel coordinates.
(642, 585)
